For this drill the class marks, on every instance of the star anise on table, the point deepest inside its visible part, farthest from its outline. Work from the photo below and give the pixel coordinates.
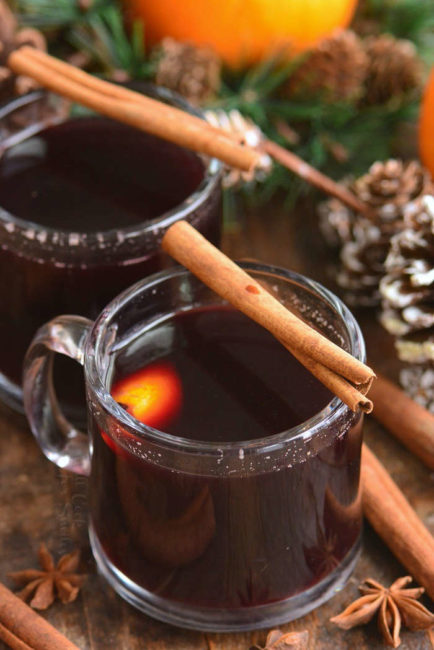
(278, 640)
(396, 605)
(51, 580)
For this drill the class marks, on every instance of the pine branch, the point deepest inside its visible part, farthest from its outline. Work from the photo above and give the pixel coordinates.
(57, 14)
(104, 37)
(410, 19)
(402, 18)
(364, 133)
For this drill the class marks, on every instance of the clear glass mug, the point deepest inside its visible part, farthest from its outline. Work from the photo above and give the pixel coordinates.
(46, 271)
(205, 535)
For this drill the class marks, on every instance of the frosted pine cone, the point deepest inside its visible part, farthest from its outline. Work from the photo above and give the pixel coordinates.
(407, 288)
(394, 68)
(191, 71)
(408, 298)
(418, 383)
(244, 131)
(335, 69)
(364, 243)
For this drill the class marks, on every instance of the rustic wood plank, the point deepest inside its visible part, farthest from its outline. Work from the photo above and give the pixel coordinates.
(41, 503)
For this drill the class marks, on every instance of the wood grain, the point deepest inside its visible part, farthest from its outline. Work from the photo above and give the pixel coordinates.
(41, 503)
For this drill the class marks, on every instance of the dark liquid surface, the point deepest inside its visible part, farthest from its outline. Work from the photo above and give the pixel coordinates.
(225, 539)
(85, 175)
(92, 174)
(238, 383)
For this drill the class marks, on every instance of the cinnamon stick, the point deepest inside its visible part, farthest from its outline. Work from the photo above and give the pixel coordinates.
(404, 418)
(109, 89)
(11, 640)
(353, 397)
(395, 521)
(315, 177)
(229, 281)
(166, 121)
(27, 626)
(150, 117)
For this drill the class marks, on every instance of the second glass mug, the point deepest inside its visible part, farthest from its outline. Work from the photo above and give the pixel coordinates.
(44, 270)
(270, 528)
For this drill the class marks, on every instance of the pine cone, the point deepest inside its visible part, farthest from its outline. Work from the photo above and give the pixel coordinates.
(335, 70)
(191, 71)
(394, 68)
(245, 131)
(407, 288)
(364, 243)
(10, 38)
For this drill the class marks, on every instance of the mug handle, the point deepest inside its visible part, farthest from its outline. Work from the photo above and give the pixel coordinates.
(60, 441)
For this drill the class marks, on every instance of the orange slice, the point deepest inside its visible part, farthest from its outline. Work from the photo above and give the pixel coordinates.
(153, 395)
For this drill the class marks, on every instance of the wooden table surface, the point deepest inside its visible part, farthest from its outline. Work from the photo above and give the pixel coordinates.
(39, 502)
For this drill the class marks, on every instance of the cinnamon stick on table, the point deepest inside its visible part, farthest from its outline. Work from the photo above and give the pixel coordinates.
(11, 640)
(20, 621)
(404, 418)
(395, 521)
(322, 357)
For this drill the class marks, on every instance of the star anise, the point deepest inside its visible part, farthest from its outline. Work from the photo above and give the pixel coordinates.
(61, 580)
(322, 557)
(278, 640)
(395, 606)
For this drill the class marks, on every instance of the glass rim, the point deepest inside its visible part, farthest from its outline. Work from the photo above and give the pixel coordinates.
(304, 431)
(212, 175)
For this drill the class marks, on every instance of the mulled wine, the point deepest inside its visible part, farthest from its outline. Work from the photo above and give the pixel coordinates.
(244, 535)
(83, 206)
(223, 478)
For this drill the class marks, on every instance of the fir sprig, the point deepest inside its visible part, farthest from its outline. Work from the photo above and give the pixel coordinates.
(104, 37)
(365, 133)
(97, 28)
(410, 19)
(57, 14)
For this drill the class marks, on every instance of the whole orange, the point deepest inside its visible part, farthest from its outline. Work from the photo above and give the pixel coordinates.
(243, 31)
(426, 126)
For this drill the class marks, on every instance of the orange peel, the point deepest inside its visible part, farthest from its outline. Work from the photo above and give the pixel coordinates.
(152, 395)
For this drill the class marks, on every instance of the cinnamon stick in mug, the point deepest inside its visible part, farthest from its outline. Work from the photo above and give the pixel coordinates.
(229, 281)
(167, 123)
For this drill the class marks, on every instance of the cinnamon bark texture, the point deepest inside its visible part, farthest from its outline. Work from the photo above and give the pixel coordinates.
(132, 108)
(11, 640)
(27, 626)
(353, 397)
(405, 419)
(233, 284)
(315, 177)
(395, 521)
(167, 122)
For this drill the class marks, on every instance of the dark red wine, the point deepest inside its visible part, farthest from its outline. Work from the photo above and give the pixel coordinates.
(238, 539)
(92, 174)
(88, 175)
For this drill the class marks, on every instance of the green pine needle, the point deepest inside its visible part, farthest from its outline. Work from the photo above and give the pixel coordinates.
(56, 14)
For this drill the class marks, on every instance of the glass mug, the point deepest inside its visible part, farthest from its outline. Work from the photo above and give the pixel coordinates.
(45, 270)
(205, 535)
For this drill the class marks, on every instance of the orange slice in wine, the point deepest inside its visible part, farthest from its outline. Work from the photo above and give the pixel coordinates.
(152, 395)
